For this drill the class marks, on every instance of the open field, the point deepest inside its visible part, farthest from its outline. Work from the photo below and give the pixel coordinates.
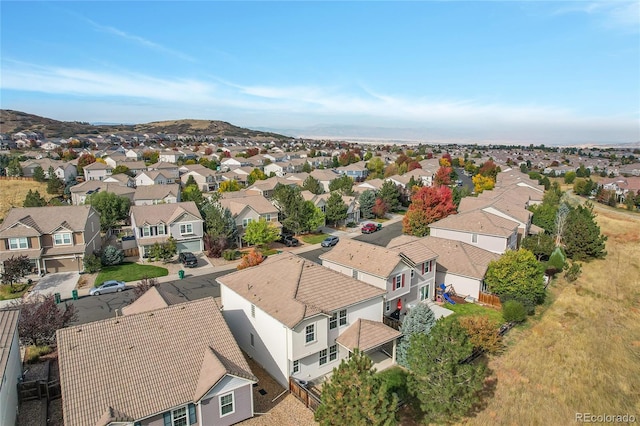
(583, 354)
(14, 191)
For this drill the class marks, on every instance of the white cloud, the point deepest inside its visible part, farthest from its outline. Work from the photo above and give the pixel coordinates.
(613, 14)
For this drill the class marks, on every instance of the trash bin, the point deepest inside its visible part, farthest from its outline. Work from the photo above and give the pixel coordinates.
(181, 274)
(379, 226)
(57, 297)
(74, 294)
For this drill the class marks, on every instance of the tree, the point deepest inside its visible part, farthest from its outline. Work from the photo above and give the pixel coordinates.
(569, 177)
(489, 169)
(54, 186)
(419, 319)
(444, 384)
(220, 223)
(306, 167)
(92, 263)
(390, 194)
(253, 258)
(481, 183)
(336, 209)
(40, 318)
(191, 181)
(459, 192)
(111, 255)
(121, 168)
(83, 161)
(483, 333)
(380, 208)
(376, 167)
(313, 185)
(230, 185)
(311, 218)
(428, 205)
(34, 199)
(260, 232)
(256, 174)
(164, 251)
(38, 174)
(367, 200)
(517, 275)
(540, 245)
(443, 176)
(112, 208)
(582, 238)
(354, 396)
(14, 168)
(143, 286)
(544, 216)
(15, 268)
(193, 193)
(343, 184)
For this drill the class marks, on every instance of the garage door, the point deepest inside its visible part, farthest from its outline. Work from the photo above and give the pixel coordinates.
(192, 246)
(61, 265)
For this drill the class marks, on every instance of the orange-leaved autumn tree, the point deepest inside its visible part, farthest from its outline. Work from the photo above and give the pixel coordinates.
(443, 176)
(480, 183)
(428, 205)
(253, 258)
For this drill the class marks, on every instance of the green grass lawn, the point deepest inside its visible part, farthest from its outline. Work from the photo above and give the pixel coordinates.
(7, 293)
(128, 272)
(313, 238)
(468, 309)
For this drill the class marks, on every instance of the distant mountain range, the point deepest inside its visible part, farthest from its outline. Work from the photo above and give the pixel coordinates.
(17, 121)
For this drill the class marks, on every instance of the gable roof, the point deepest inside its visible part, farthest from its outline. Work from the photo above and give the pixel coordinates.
(237, 203)
(156, 362)
(478, 222)
(165, 213)
(44, 220)
(290, 288)
(156, 192)
(366, 334)
(152, 299)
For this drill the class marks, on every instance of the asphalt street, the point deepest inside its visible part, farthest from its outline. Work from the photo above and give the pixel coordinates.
(95, 308)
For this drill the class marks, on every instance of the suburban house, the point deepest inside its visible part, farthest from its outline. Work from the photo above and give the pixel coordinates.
(356, 171)
(459, 265)
(156, 223)
(249, 207)
(169, 156)
(406, 273)
(266, 187)
(156, 194)
(56, 239)
(97, 171)
(503, 206)
(177, 365)
(324, 177)
(82, 191)
(479, 228)
(10, 366)
(206, 178)
(277, 169)
(153, 177)
(168, 169)
(289, 314)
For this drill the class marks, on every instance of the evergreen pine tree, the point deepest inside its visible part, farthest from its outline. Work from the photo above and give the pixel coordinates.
(367, 200)
(582, 238)
(34, 199)
(336, 209)
(38, 174)
(419, 320)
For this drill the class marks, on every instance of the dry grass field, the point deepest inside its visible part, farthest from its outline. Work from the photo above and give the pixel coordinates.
(583, 353)
(12, 193)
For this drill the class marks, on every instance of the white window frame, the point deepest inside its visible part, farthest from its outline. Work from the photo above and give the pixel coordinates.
(62, 241)
(161, 227)
(333, 353)
(420, 294)
(146, 231)
(175, 418)
(16, 243)
(387, 306)
(333, 321)
(267, 217)
(296, 366)
(342, 317)
(186, 228)
(310, 330)
(397, 281)
(246, 221)
(232, 403)
(413, 273)
(322, 357)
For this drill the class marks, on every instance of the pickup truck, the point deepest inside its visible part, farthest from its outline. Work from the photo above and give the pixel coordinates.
(369, 228)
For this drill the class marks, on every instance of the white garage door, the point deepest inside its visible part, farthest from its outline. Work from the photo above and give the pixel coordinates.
(192, 246)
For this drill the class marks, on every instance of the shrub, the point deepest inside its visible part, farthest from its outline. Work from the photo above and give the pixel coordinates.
(513, 311)
(573, 272)
(253, 258)
(112, 256)
(483, 333)
(556, 262)
(230, 254)
(92, 264)
(394, 380)
(145, 284)
(351, 225)
(33, 353)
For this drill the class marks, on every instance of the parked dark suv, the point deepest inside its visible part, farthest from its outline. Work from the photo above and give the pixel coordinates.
(288, 240)
(188, 259)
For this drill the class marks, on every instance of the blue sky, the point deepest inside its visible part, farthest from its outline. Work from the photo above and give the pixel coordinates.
(520, 72)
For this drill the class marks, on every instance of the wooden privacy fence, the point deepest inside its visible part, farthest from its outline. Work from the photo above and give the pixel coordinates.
(131, 252)
(311, 401)
(15, 178)
(38, 389)
(490, 299)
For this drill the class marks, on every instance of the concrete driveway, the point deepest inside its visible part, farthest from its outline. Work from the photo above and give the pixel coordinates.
(62, 282)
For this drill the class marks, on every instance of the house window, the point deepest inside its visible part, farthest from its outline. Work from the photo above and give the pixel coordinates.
(323, 357)
(424, 292)
(397, 282)
(354, 274)
(413, 273)
(310, 333)
(296, 366)
(186, 228)
(226, 404)
(343, 317)
(161, 229)
(333, 322)
(146, 231)
(18, 243)
(62, 239)
(252, 339)
(267, 217)
(474, 238)
(246, 221)
(253, 311)
(387, 306)
(179, 417)
(333, 352)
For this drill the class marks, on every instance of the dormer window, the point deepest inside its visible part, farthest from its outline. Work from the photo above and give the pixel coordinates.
(161, 229)
(62, 239)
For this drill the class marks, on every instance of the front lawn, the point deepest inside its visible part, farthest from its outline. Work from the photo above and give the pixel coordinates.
(8, 293)
(128, 272)
(469, 309)
(313, 238)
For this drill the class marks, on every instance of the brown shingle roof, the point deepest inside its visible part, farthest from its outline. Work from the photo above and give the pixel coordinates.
(366, 334)
(44, 220)
(8, 324)
(479, 222)
(257, 202)
(155, 192)
(138, 365)
(165, 213)
(152, 299)
(291, 288)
